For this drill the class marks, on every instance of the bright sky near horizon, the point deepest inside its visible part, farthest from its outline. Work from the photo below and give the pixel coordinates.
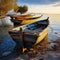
(42, 6)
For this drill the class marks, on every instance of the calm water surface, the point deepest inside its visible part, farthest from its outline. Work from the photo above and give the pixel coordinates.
(54, 19)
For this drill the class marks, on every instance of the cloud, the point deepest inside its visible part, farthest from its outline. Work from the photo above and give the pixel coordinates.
(38, 1)
(42, 6)
(44, 9)
(56, 4)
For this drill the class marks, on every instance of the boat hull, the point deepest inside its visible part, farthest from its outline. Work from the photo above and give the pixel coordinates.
(42, 35)
(36, 40)
(30, 21)
(25, 21)
(29, 40)
(31, 34)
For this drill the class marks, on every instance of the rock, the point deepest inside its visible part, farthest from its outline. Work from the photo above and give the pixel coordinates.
(6, 21)
(41, 59)
(6, 53)
(56, 33)
(51, 45)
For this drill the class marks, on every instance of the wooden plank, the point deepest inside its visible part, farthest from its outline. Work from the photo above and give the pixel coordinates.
(42, 35)
(29, 39)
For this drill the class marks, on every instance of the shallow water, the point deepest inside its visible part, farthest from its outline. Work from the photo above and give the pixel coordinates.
(54, 26)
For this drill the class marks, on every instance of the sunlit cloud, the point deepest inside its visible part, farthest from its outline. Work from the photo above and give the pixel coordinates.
(44, 9)
(56, 4)
(43, 6)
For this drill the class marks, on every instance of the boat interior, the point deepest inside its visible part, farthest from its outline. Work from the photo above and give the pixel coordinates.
(33, 18)
(36, 27)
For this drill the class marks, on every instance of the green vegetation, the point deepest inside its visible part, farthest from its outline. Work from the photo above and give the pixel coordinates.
(22, 9)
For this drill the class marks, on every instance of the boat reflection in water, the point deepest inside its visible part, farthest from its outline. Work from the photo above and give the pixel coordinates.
(31, 34)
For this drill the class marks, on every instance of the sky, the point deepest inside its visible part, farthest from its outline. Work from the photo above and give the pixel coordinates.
(42, 6)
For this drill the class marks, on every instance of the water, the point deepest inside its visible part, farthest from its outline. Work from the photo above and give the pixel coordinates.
(53, 18)
(54, 26)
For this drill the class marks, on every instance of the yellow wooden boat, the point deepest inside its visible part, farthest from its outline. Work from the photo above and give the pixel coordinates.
(30, 34)
(23, 19)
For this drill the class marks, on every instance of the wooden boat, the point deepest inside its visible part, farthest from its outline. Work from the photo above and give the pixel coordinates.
(22, 20)
(30, 34)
